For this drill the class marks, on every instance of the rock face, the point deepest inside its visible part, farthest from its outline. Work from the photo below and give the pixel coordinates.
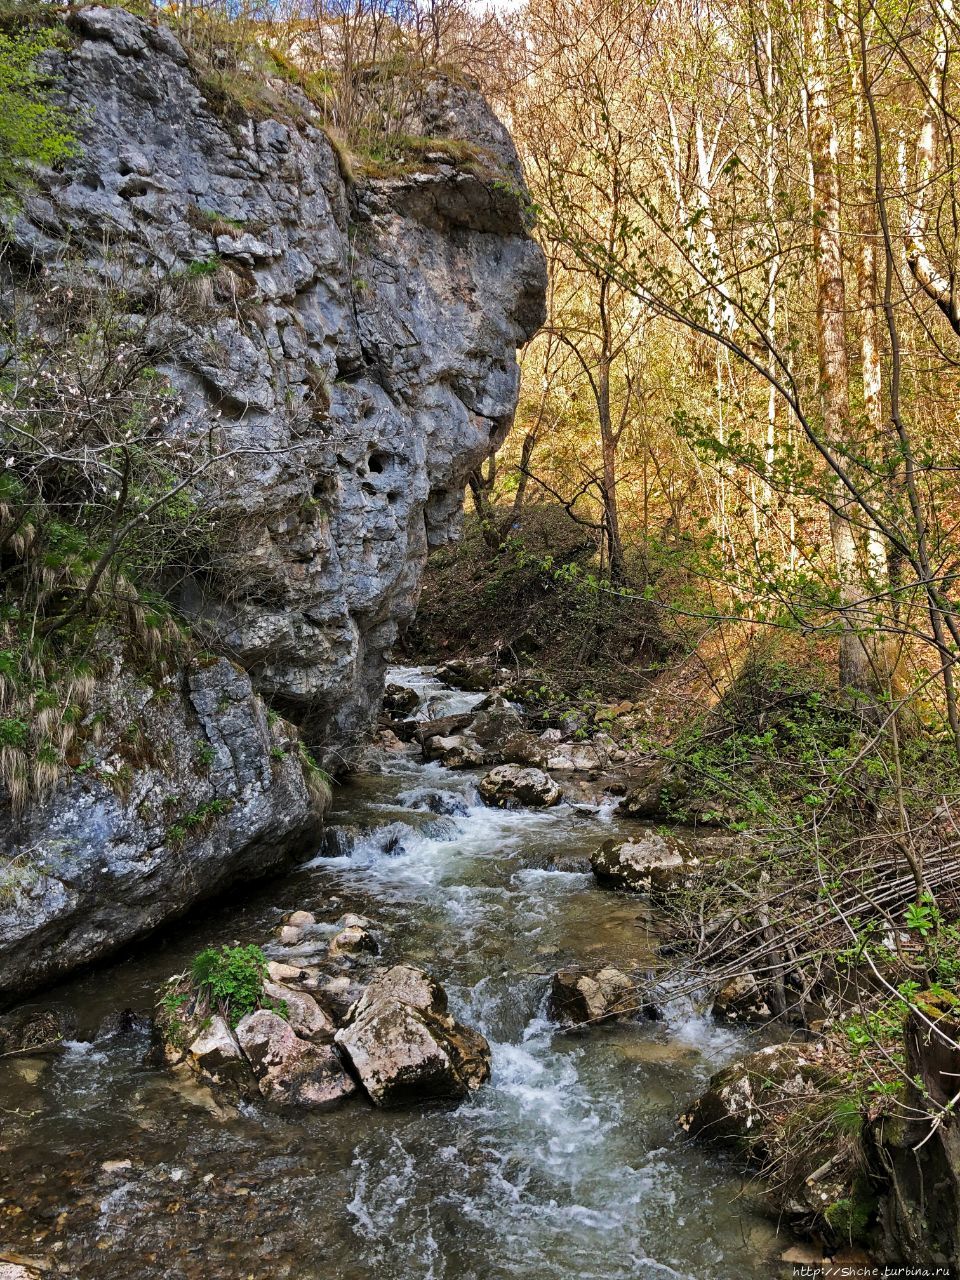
(363, 334)
(510, 784)
(405, 1047)
(651, 863)
(355, 345)
(191, 787)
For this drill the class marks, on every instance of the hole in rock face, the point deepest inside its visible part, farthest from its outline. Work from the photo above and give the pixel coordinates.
(393, 498)
(369, 489)
(378, 461)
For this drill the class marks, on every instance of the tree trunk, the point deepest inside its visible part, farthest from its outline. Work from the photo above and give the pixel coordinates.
(856, 666)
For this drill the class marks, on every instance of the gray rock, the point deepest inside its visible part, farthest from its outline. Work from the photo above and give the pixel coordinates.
(302, 1012)
(215, 1053)
(457, 752)
(734, 1108)
(405, 1047)
(301, 919)
(399, 702)
(298, 977)
(473, 674)
(407, 983)
(652, 863)
(579, 996)
(742, 999)
(510, 785)
(353, 941)
(494, 725)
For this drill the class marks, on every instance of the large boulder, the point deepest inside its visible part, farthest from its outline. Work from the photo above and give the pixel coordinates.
(495, 724)
(510, 785)
(651, 863)
(291, 1071)
(405, 1047)
(476, 675)
(742, 1103)
(524, 748)
(775, 1107)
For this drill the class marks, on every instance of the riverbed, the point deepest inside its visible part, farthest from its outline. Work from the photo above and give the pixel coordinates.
(567, 1165)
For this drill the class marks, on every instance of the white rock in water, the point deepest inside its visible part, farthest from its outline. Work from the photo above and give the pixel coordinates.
(511, 785)
(292, 1072)
(405, 1047)
(301, 919)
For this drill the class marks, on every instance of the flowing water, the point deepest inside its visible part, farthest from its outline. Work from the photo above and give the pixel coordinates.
(567, 1165)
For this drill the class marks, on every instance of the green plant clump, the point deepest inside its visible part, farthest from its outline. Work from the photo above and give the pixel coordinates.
(230, 980)
(33, 131)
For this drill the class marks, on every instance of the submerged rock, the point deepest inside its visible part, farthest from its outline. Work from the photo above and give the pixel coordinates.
(511, 785)
(302, 1012)
(650, 863)
(33, 1030)
(404, 1046)
(495, 725)
(353, 941)
(435, 800)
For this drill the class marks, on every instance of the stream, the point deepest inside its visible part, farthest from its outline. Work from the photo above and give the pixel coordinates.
(567, 1165)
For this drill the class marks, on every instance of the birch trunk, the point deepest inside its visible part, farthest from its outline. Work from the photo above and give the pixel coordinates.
(856, 667)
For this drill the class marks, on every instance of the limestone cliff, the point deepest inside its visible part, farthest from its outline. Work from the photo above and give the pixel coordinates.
(354, 342)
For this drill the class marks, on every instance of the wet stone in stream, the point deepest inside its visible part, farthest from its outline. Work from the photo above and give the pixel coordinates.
(566, 1165)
